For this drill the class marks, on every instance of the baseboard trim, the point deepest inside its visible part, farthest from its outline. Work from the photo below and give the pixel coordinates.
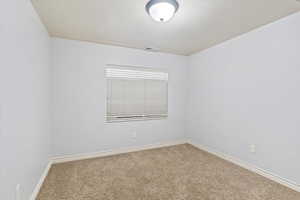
(69, 158)
(265, 173)
(41, 181)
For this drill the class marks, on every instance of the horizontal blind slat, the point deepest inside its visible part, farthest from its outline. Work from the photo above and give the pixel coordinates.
(134, 74)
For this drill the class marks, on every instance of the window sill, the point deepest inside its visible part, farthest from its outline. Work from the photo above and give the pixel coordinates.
(129, 119)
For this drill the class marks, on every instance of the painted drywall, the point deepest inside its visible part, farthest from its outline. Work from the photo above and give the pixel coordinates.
(24, 98)
(79, 98)
(246, 91)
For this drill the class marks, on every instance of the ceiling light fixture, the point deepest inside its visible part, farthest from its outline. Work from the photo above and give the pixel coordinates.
(162, 10)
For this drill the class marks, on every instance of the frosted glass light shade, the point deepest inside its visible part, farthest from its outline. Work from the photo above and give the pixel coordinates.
(162, 10)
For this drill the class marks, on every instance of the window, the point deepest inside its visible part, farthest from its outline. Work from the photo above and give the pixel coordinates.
(136, 95)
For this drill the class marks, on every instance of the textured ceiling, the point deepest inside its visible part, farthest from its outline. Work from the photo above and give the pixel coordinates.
(198, 24)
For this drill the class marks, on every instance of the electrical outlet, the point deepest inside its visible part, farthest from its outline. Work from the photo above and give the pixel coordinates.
(133, 135)
(18, 192)
(252, 148)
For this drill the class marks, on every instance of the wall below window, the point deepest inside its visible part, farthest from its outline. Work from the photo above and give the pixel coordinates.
(246, 92)
(24, 99)
(79, 98)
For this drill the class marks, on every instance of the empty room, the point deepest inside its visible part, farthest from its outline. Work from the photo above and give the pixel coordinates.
(150, 100)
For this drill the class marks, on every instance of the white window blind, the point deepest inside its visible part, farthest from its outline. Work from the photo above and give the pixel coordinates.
(133, 94)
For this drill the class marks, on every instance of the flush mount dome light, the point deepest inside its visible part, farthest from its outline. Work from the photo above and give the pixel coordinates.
(162, 10)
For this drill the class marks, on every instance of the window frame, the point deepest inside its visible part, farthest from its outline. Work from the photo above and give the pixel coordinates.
(129, 118)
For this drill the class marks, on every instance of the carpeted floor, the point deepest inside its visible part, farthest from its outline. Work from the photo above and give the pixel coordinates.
(180, 172)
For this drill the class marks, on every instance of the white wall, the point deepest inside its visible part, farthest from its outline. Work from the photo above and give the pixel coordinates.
(247, 91)
(24, 98)
(79, 96)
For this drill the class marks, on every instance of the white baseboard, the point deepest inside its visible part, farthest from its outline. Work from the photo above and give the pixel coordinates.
(41, 181)
(283, 181)
(68, 158)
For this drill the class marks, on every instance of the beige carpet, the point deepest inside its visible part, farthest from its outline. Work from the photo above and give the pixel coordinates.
(173, 173)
